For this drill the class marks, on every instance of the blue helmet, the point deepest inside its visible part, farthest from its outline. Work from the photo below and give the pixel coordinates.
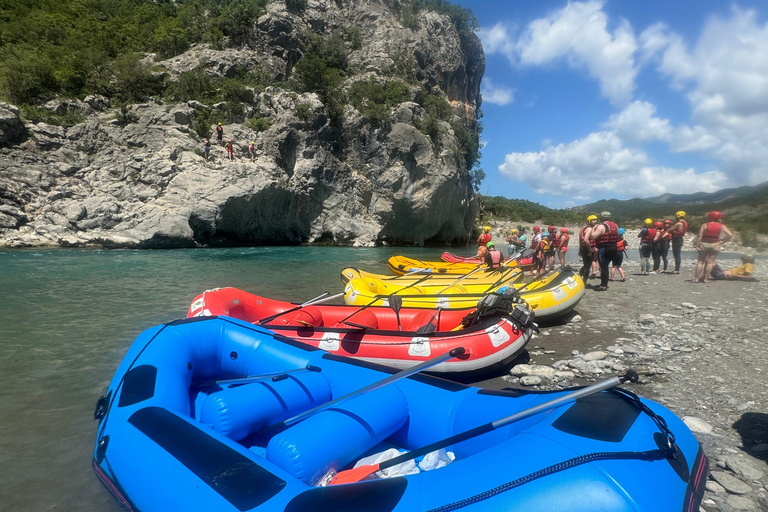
(621, 231)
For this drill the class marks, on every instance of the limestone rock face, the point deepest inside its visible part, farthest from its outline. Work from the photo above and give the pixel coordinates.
(147, 184)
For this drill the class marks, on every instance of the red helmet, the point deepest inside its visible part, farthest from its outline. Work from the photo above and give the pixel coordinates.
(536, 229)
(668, 221)
(715, 215)
(551, 228)
(563, 230)
(658, 224)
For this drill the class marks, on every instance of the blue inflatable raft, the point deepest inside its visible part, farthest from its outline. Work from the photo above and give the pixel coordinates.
(173, 436)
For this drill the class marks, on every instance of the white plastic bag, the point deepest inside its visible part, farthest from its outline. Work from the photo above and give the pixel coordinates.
(406, 468)
(436, 460)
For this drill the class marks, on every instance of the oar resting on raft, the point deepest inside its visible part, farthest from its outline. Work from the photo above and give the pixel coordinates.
(394, 302)
(456, 352)
(274, 377)
(317, 300)
(357, 474)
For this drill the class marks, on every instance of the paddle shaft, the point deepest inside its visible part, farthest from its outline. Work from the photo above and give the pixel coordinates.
(376, 385)
(308, 303)
(493, 425)
(379, 297)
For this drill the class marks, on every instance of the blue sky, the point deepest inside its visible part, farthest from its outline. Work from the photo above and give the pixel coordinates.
(601, 99)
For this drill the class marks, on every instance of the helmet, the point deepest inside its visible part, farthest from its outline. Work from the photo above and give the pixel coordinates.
(591, 218)
(487, 229)
(489, 245)
(680, 214)
(545, 235)
(513, 231)
(219, 124)
(605, 215)
(563, 230)
(668, 221)
(648, 223)
(715, 215)
(253, 142)
(621, 231)
(551, 228)
(536, 229)
(658, 224)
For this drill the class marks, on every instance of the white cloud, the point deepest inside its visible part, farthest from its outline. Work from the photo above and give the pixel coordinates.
(636, 123)
(577, 34)
(600, 163)
(498, 95)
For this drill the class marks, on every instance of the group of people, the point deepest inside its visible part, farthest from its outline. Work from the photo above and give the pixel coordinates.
(228, 146)
(546, 247)
(655, 240)
(600, 245)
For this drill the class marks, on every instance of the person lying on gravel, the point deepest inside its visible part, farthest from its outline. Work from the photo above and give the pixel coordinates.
(740, 273)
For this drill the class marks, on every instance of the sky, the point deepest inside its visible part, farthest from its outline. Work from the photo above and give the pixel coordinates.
(601, 99)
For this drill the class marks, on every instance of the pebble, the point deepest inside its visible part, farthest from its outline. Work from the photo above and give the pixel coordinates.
(689, 305)
(576, 319)
(732, 484)
(530, 380)
(697, 424)
(647, 319)
(741, 503)
(714, 487)
(595, 356)
(743, 467)
(537, 370)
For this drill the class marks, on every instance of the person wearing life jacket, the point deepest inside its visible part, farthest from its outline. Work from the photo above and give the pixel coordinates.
(535, 241)
(220, 134)
(585, 247)
(554, 243)
(513, 244)
(648, 235)
(562, 245)
(708, 245)
(493, 258)
(621, 246)
(664, 242)
(230, 150)
(541, 255)
(677, 231)
(606, 236)
(484, 237)
(656, 247)
(252, 150)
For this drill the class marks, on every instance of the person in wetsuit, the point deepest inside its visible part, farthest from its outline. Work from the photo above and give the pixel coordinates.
(606, 235)
(648, 235)
(677, 233)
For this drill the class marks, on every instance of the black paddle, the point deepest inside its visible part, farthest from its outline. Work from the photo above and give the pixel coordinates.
(317, 300)
(357, 474)
(396, 302)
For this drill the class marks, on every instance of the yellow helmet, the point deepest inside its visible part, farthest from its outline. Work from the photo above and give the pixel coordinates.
(513, 231)
(649, 223)
(680, 214)
(487, 229)
(219, 124)
(591, 218)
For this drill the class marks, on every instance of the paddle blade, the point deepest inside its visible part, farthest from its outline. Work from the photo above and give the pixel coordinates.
(351, 476)
(395, 302)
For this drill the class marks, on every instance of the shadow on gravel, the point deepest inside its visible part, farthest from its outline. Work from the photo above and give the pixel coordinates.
(753, 429)
(558, 321)
(493, 372)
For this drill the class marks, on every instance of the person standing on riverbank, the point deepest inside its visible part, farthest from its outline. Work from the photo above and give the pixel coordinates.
(562, 246)
(677, 233)
(585, 247)
(647, 236)
(621, 246)
(664, 240)
(606, 237)
(484, 237)
(230, 151)
(708, 245)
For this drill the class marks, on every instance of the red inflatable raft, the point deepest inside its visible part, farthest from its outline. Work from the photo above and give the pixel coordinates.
(372, 333)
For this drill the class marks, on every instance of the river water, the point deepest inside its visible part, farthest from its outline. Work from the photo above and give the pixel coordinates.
(67, 317)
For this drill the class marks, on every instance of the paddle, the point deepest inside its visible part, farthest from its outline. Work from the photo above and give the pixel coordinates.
(456, 352)
(457, 281)
(357, 474)
(317, 300)
(276, 376)
(396, 302)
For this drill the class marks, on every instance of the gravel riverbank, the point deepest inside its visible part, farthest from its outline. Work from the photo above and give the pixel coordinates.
(699, 349)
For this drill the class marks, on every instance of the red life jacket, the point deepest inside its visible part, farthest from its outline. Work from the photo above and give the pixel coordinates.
(681, 233)
(610, 236)
(650, 234)
(495, 258)
(556, 240)
(620, 245)
(711, 232)
(583, 240)
(564, 239)
(485, 238)
(535, 243)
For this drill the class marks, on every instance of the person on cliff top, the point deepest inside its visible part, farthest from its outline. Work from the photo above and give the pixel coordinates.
(648, 235)
(252, 150)
(493, 257)
(207, 149)
(220, 134)
(708, 245)
(621, 247)
(741, 273)
(606, 237)
(485, 236)
(562, 246)
(585, 247)
(677, 231)
(230, 151)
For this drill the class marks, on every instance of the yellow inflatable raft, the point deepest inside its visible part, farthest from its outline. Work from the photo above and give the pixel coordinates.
(400, 265)
(553, 295)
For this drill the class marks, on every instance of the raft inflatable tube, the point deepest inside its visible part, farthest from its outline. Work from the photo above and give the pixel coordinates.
(170, 438)
(555, 294)
(378, 334)
(400, 265)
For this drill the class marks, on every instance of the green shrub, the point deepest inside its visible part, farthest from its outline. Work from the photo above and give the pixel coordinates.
(258, 124)
(203, 123)
(352, 36)
(40, 115)
(375, 101)
(303, 111)
(134, 80)
(296, 6)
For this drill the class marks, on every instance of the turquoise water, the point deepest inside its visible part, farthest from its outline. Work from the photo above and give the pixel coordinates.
(67, 318)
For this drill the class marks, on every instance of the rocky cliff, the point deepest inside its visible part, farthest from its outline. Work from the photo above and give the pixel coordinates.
(138, 178)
